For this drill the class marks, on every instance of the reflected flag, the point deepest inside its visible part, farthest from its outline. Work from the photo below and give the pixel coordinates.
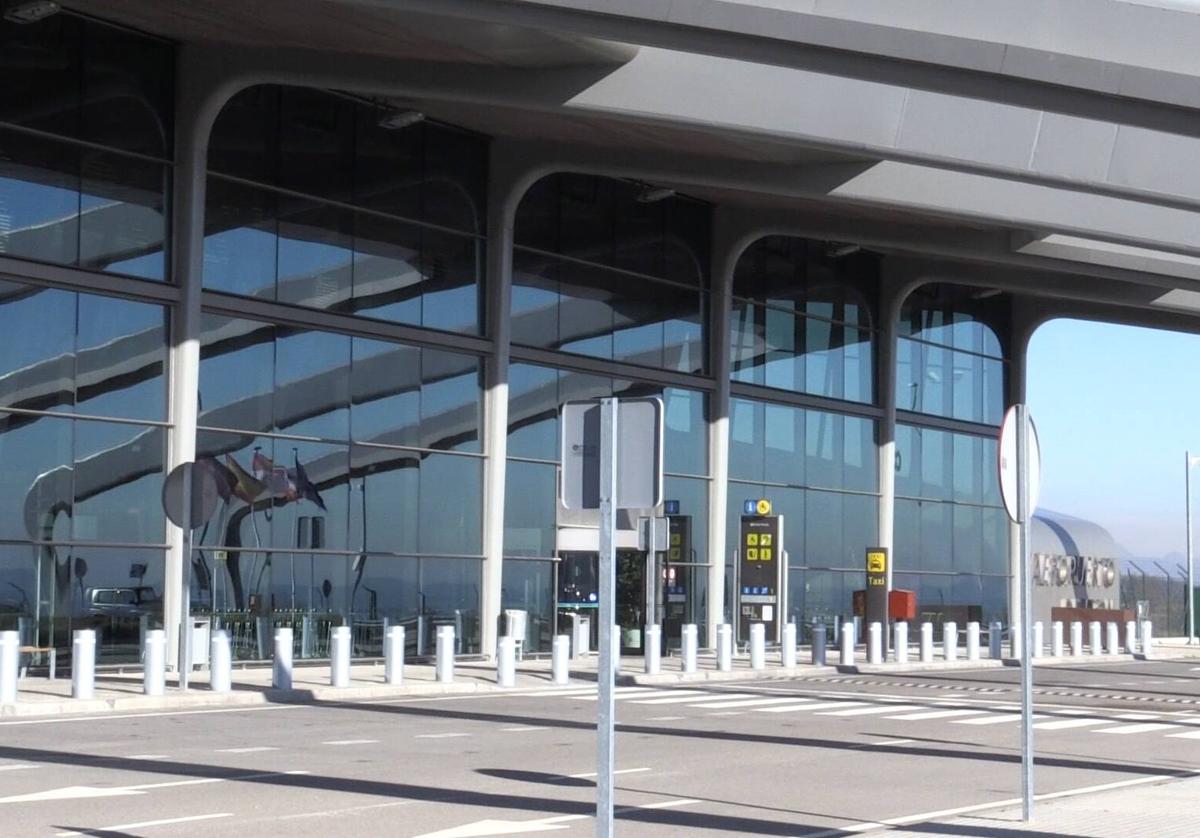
(304, 487)
(222, 475)
(274, 477)
(245, 485)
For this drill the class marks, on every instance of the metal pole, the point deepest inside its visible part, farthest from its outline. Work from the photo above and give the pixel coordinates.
(185, 584)
(1187, 496)
(605, 746)
(1026, 615)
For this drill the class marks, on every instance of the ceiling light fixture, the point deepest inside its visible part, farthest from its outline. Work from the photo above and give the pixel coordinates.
(395, 120)
(651, 194)
(31, 12)
(839, 249)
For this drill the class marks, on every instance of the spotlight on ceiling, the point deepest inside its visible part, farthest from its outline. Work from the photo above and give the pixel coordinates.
(655, 193)
(837, 250)
(395, 120)
(986, 293)
(31, 12)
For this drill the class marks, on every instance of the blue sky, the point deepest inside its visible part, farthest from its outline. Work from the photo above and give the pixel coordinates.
(1116, 407)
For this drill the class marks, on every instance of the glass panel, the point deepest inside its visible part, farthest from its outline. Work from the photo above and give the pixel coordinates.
(118, 593)
(237, 365)
(39, 199)
(38, 491)
(315, 256)
(452, 266)
(692, 495)
(122, 215)
(968, 539)
(685, 431)
(308, 483)
(316, 143)
(244, 137)
(533, 412)
(450, 595)
(529, 586)
(312, 383)
(240, 239)
(118, 483)
(387, 489)
(387, 269)
(451, 507)
(37, 367)
(384, 165)
(454, 187)
(530, 500)
(122, 352)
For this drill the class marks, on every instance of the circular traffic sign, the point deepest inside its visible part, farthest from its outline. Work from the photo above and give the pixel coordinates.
(204, 495)
(1007, 464)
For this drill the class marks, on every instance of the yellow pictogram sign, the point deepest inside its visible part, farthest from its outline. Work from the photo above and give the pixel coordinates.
(763, 507)
(876, 562)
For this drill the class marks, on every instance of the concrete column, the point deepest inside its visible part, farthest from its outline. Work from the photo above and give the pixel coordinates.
(818, 645)
(83, 664)
(875, 643)
(787, 651)
(950, 641)
(758, 643)
(1056, 639)
(393, 656)
(154, 663)
(220, 662)
(900, 642)
(10, 665)
(653, 649)
(972, 641)
(885, 443)
(1035, 643)
(339, 657)
(1076, 639)
(445, 654)
(725, 647)
(560, 660)
(689, 640)
(926, 642)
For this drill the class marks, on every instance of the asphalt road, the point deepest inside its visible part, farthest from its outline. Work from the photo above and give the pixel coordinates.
(790, 757)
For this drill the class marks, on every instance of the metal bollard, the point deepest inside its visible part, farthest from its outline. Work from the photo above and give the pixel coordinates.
(847, 657)
(758, 646)
(506, 662)
(281, 667)
(10, 665)
(445, 654)
(818, 644)
(725, 647)
(393, 656)
(83, 664)
(1035, 643)
(950, 641)
(875, 643)
(1113, 637)
(995, 640)
(1076, 639)
(339, 658)
(1094, 638)
(1147, 640)
(900, 641)
(154, 665)
(1014, 642)
(1131, 632)
(560, 660)
(689, 640)
(653, 647)
(972, 641)
(926, 642)
(1056, 639)
(220, 662)
(787, 652)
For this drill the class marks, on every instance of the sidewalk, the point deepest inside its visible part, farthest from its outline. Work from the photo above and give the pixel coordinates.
(1163, 808)
(121, 691)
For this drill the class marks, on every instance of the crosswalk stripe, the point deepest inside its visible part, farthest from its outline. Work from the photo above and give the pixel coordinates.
(1127, 729)
(821, 705)
(869, 711)
(936, 714)
(1067, 724)
(677, 699)
(1191, 734)
(752, 702)
(622, 692)
(993, 720)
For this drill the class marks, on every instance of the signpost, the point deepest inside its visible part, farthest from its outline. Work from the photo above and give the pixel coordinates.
(761, 579)
(1020, 471)
(611, 459)
(876, 610)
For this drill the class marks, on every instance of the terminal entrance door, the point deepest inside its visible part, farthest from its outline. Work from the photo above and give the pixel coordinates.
(639, 595)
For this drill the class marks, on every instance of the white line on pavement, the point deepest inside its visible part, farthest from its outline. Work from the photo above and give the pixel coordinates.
(147, 756)
(668, 804)
(352, 741)
(85, 792)
(1193, 734)
(753, 702)
(729, 713)
(522, 728)
(664, 718)
(1067, 724)
(621, 771)
(124, 827)
(684, 698)
(892, 742)
(253, 750)
(936, 714)
(868, 711)
(1136, 717)
(824, 705)
(102, 717)
(994, 720)
(18, 767)
(331, 812)
(1127, 729)
(441, 735)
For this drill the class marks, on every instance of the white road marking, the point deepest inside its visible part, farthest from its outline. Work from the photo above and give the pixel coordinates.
(147, 756)
(490, 827)
(1191, 734)
(823, 705)
(441, 735)
(331, 812)
(868, 711)
(753, 702)
(892, 742)
(522, 728)
(669, 804)
(936, 714)
(624, 692)
(102, 717)
(353, 741)
(124, 827)
(1125, 730)
(620, 771)
(85, 792)
(1136, 717)
(664, 718)
(253, 750)
(729, 713)
(18, 767)
(994, 719)
(683, 698)
(1067, 724)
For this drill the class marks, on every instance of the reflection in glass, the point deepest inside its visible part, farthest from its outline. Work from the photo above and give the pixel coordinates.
(37, 367)
(118, 483)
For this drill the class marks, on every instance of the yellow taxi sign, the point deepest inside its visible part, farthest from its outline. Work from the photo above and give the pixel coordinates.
(876, 562)
(763, 507)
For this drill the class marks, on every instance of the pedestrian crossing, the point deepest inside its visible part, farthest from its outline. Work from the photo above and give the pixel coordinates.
(718, 703)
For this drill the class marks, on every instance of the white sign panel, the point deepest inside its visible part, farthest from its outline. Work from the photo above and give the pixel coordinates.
(639, 454)
(1007, 456)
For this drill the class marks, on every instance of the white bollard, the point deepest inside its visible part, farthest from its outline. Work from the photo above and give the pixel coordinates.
(154, 663)
(445, 654)
(393, 656)
(1094, 638)
(506, 662)
(847, 657)
(995, 640)
(1076, 639)
(83, 664)
(339, 657)
(926, 642)
(1056, 639)
(281, 667)
(1014, 642)
(653, 649)
(220, 662)
(875, 643)
(1147, 639)
(689, 641)
(758, 646)
(1035, 643)
(818, 644)
(972, 641)
(560, 660)
(725, 647)
(787, 652)
(10, 665)
(900, 642)
(950, 641)
(1131, 637)
(1113, 638)
(580, 634)
(616, 649)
